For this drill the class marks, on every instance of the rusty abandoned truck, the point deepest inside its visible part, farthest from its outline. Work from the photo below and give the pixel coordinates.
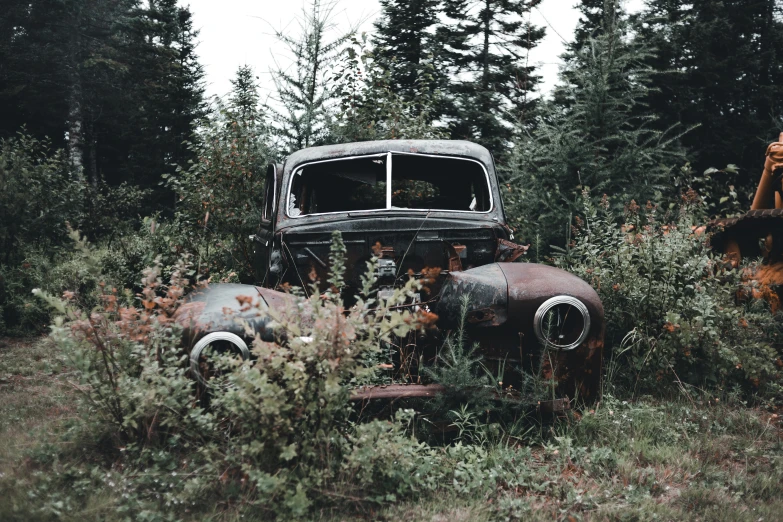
(418, 205)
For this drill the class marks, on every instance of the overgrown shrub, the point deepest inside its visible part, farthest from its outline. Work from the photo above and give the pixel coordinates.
(278, 435)
(220, 194)
(41, 196)
(673, 311)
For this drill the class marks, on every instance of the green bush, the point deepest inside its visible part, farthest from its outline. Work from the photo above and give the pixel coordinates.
(39, 194)
(220, 194)
(673, 311)
(280, 436)
(41, 198)
(276, 432)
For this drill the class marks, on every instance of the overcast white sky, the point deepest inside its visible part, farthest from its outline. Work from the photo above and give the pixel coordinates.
(238, 32)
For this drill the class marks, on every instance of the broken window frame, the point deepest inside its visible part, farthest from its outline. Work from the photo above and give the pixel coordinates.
(389, 161)
(268, 209)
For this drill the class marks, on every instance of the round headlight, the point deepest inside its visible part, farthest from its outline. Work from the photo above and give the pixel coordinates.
(562, 322)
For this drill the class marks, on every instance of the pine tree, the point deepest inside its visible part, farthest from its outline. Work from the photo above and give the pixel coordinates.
(597, 135)
(52, 57)
(487, 44)
(223, 186)
(596, 17)
(167, 104)
(244, 100)
(119, 79)
(371, 106)
(303, 93)
(725, 74)
(404, 42)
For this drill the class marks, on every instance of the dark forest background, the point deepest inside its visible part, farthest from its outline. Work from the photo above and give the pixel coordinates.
(106, 128)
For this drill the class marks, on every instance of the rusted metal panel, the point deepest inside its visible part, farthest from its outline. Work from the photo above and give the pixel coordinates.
(509, 252)
(455, 263)
(487, 289)
(554, 406)
(425, 391)
(413, 243)
(530, 284)
(228, 308)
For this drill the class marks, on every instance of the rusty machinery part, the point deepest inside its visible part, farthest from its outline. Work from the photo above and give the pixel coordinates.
(758, 232)
(396, 391)
(234, 343)
(732, 253)
(572, 322)
(509, 252)
(753, 234)
(768, 191)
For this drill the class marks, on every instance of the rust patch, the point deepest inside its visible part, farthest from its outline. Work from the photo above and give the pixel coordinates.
(508, 252)
(455, 263)
(578, 372)
(188, 314)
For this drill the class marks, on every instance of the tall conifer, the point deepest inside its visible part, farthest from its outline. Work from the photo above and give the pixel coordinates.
(303, 89)
(597, 134)
(724, 63)
(487, 44)
(120, 80)
(405, 42)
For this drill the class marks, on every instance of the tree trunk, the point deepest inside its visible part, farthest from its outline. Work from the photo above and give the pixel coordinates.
(92, 171)
(315, 38)
(485, 75)
(75, 113)
(75, 123)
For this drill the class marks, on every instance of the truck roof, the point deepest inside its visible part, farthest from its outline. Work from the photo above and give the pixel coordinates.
(437, 147)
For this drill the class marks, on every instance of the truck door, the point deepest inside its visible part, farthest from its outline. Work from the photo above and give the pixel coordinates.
(263, 237)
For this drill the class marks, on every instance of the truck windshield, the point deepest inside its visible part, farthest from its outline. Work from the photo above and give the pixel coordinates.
(389, 181)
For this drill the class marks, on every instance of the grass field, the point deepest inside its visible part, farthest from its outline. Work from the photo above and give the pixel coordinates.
(687, 458)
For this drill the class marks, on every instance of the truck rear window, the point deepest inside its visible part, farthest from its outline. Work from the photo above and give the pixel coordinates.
(388, 182)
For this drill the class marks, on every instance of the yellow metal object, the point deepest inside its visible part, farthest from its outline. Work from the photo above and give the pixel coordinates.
(766, 193)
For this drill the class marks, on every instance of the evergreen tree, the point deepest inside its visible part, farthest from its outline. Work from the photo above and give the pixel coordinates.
(52, 56)
(32, 76)
(725, 74)
(486, 44)
(220, 193)
(168, 103)
(404, 42)
(372, 108)
(596, 17)
(304, 93)
(118, 79)
(597, 134)
(244, 100)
